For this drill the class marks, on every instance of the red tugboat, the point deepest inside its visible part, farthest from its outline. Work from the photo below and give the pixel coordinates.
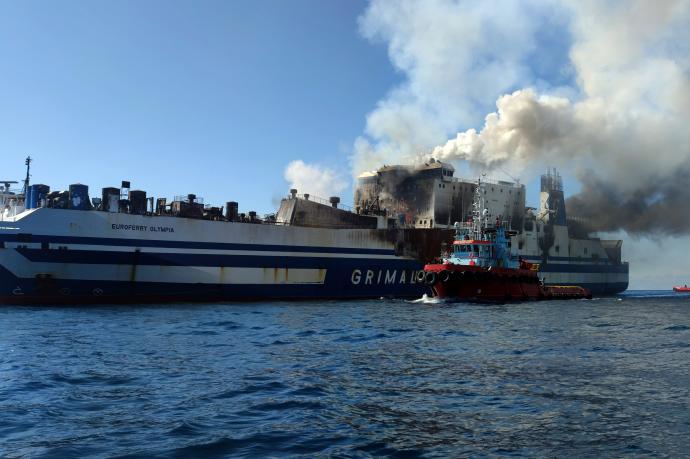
(481, 267)
(681, 289)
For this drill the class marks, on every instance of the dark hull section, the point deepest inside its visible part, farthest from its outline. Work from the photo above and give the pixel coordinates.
(345, 279)
(496, 285)
(475, 284)
(599, 278)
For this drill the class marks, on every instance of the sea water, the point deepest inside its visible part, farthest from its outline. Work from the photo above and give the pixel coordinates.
(603, 377)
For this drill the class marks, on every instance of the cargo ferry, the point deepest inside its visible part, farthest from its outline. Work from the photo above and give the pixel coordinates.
(64, 247)
(125, 246)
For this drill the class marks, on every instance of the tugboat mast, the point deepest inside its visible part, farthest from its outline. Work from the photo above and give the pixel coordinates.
(479, 213)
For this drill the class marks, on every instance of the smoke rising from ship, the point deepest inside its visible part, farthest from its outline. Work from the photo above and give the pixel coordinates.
(314, 179)
(616, 113)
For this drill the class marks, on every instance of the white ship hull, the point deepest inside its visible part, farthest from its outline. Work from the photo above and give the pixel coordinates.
(67, 256)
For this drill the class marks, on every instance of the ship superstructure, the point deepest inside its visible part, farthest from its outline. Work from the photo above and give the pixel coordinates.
(11, 199)
(428, 195)
(564, 259)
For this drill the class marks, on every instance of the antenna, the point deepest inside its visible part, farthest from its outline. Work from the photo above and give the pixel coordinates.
(516, 180)
(28, 175)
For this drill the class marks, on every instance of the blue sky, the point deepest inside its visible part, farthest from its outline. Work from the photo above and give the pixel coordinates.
(213, 98)
(218, 97)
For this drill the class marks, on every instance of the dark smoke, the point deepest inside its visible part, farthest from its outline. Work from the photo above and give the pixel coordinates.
(656, 208)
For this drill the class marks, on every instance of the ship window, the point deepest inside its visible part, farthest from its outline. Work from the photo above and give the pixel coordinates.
(439, 185)
(558, 249)
(585, 250)
(476, 248)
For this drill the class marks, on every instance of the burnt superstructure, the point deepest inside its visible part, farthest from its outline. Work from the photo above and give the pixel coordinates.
(428, 195)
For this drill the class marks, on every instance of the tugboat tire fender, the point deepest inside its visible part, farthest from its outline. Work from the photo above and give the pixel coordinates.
(430, 277)
(444, 276)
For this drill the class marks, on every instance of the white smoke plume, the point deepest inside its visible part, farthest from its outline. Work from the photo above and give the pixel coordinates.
(457, 57)
(621, 122)
(313, 179)
(524, 127)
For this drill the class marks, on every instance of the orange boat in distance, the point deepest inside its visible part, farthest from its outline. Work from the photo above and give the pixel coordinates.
(684, 288)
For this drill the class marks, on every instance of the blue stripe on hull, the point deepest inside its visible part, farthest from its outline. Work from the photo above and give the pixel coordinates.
(257, 261)
(119, 242)
(552, 259)
(589, 268)
(181, 259)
